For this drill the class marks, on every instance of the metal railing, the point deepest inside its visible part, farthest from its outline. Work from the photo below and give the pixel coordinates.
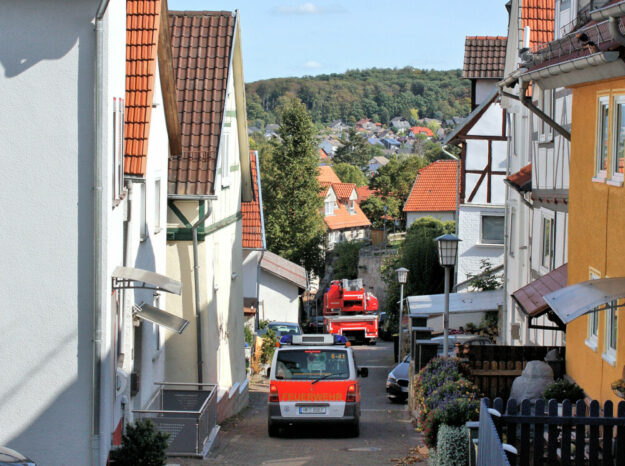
(187, 412)
(490, 450)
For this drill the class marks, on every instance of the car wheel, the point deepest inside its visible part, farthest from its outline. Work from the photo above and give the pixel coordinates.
(272, 429)
(355, 430)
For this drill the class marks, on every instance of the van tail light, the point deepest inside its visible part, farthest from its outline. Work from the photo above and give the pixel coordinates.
(273, 393)
(351, 393)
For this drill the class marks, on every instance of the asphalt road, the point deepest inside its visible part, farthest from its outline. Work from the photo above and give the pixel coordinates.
(386, 433)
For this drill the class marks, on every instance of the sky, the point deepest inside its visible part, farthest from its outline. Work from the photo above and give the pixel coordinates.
(282, 38)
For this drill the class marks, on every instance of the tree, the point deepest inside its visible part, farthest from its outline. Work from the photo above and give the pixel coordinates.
(350, 174)
(419, 255)
(396, 177)
(346, 264)
(355, 150)
(374, 209)
(142, 445)
(292, 205)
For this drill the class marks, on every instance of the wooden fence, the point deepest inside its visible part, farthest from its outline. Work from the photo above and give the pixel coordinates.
(494, 367)
(553, 434)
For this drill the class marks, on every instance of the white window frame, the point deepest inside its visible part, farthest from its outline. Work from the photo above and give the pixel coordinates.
(547, 219)
(601, 174)
(611, 323)
(512, 232)
(593, 322)
(329, 208)
(547, 103)
(118, 149)
(157, 205)
(483, 241)
(615, 175)
(352, 208)
(224, 154)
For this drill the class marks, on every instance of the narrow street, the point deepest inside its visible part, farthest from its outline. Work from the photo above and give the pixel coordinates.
(385, 429)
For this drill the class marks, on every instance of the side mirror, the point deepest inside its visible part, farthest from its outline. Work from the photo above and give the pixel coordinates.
(268, 372)
(363, 372)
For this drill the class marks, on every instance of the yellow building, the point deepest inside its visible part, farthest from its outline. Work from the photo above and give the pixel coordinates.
(585, 57)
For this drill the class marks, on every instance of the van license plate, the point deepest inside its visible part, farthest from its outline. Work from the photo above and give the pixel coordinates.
(312, 410)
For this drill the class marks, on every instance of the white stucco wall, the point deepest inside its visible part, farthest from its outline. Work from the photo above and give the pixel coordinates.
(251, 258)
(484, 89)
(46, 192)
(278, 298)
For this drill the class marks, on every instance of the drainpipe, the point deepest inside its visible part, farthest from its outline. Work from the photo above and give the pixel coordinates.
(99, 210)
(257, 318)
(196, 277)
(615, 31)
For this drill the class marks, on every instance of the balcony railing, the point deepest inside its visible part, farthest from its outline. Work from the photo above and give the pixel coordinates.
(188, 413)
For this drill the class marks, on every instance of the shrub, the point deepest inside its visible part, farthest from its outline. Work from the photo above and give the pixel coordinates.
(249, 336)
(142, 445)
(269, 346)
(564, 390)
(453, 446)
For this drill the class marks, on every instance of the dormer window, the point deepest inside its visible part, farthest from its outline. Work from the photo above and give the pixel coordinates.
(352, 209)
(329, 207)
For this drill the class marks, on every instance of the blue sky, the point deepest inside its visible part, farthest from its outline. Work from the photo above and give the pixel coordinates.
(295, 38)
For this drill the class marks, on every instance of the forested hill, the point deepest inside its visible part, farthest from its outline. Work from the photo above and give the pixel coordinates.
(379, 94)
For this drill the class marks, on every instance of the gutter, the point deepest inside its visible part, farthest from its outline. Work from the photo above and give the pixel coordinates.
(196, 278)
(98, 441)
(608, 12)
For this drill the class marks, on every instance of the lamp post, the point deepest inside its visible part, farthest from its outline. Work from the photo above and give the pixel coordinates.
(402, 277)
(447, 251)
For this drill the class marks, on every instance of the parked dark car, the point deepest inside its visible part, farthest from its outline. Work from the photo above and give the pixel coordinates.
(383, 331)
(397, 381)
(10, 457)
(315, 324)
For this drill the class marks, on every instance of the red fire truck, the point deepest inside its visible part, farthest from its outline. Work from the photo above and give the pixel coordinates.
(350, 311)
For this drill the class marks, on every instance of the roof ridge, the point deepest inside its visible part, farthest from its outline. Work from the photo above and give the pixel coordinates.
(201, 13)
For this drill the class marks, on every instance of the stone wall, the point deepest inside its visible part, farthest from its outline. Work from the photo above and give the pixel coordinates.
(369, 264)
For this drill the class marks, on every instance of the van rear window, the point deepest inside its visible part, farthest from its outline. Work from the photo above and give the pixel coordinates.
(312, 364)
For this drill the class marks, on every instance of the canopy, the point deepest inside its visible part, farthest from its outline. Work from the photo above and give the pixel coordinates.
(576, 300)
(433, 305)
(160, 317)
(122, 276)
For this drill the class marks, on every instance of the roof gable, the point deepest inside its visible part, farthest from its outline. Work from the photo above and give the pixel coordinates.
(142, 30)
(201, 51)
(253, 230)
(484, 57)
(435, 188)
(327, 175)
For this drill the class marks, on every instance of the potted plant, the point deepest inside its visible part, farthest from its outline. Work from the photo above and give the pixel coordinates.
(618, 387)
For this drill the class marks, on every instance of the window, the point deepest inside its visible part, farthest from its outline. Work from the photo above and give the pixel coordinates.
(618, 150)
(492, 229)
(603, 116)
(548, 237)
(548, 104)
(118, 149)
(593, 322)
(512, 232)
(225, 153)
(157, 206)
(329, 207)
(352, 209)
(610, 333)
(157, 328)
(143, 227)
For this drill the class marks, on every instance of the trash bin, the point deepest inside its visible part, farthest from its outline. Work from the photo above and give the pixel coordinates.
(395, 345)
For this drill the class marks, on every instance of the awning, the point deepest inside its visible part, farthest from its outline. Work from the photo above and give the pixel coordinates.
(124, 276)
(576, 300)
(530, 297)
(160, 317)
(434, 304)
(521, 181)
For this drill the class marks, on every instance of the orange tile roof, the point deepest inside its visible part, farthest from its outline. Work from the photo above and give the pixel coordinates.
(252, 222)
(539, 16)
(422, 129)
(484, 57)
(343, 219)
(521, 180)
(343, 190)
(201, 44)
(326, 174)
(434, 190)
(364, 193)
(322, 154)
(142, 28)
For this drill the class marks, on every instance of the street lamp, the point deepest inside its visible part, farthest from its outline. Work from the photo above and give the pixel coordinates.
(447, 251)
(402, 277)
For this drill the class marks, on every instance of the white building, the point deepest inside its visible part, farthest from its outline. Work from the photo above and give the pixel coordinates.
(93, 263)
(483, 140)
(538, 169)
(208, 181)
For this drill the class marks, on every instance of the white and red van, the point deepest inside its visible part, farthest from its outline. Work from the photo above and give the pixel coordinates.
(314, 380)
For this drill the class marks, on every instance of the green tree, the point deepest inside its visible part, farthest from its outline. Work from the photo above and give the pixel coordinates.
(346, 263)
(374, 209)
(142, 445)
(292, 205)
(355, 150)
(419, 254)
(350, 174)
(396, 177)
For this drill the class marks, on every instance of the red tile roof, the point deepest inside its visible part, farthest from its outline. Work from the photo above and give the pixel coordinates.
(201, 46)
(327, 175)
(435, 188)
(364, 193)
(484, 57)
(521, 180)
(530, 297)
(422, 130)
(343, 219)
(343, 190)
(539, 16)
(252, 222)
(142, 28)
(322, 154)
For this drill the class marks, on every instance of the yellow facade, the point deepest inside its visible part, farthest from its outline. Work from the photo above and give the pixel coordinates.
(596, 236)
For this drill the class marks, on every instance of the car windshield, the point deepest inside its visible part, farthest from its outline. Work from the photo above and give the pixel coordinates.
(311, 364)
(285, 329)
